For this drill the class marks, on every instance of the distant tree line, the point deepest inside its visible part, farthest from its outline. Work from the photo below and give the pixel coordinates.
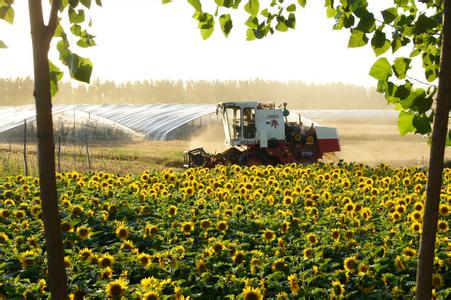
(298, 94)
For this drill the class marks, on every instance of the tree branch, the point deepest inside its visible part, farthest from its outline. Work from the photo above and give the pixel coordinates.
(53, 20)
(36, 17)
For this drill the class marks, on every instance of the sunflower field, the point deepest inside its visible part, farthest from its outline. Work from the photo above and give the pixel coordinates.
(323, 231)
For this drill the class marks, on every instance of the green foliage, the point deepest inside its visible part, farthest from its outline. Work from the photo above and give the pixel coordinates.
(7, 12)
(357, 39)
(381, 69)
(252, 7)
(405, 123)
(2, 45)
(400, 67)
(226, 24)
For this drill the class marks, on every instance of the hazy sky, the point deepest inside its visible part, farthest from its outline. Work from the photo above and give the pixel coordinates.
(143, 39)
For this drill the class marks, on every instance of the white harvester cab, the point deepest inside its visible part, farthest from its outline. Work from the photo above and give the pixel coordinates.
(251, 123)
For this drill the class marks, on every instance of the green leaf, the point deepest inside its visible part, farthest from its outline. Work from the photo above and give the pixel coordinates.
(291, 21)
(250, 34)
(86, 3)
(405, 123)
(302, 2)
(400, 67)
(252, 22)
(431, 73)
(3, 45)
(379, 43)
(80, 68)
(331, 12)
(424, 24)
(422, 124)
(389, 15)
(252, 7)
(367, 23)
(381, 69)
(281, 26)
(166, 1)
(423, 105)
(226, 24)
(357, 39)
(448, 138)
(99, 2)
(206, 31)
(196, 4)
(291, 7)
(7, 14)
(76, 17)
(55, 75)
(417, 95)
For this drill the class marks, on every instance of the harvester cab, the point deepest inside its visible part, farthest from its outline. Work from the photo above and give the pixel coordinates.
(260, 133)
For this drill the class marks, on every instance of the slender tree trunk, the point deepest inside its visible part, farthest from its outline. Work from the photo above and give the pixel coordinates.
(46, 152)
(25, 147)
(439, 131)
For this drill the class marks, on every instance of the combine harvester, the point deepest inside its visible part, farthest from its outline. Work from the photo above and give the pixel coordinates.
(260, 134)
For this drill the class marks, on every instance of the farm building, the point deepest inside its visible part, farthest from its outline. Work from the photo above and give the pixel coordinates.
(150, 121)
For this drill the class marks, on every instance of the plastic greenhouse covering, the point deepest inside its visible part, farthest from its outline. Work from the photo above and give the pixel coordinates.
(154, 121)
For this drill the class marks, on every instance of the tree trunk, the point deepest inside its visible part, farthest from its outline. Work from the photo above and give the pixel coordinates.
(46, 152)
(439, 132)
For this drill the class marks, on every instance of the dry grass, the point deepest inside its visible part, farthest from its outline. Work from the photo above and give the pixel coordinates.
(366, 141)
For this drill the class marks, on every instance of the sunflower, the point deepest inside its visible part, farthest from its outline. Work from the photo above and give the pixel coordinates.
(151, 295)
(66, 226)
(444, 210)
(312, 238)
(122, 231)
(3, 238)
(222, 226)
(363, 268)
(437, 280)
(416, 227)
(84, 232)
(251, 293)
(150, 230)
(337, 290)
(418, 206)
(288, 200)
(294, 285)
(350, 207)
(409, 252)
(350, 264)
(28, 258)
(442, 226)
(187, 227)
(4, 213)
(416, 216)
(117, 288)
(396, 216)
(201, 267)
(308, 253)
(172, 210)
(144, 259)
(218, 247)
(106, 260)
(268, 235)
(85, 253)
(399, 264)
(278, 265)
(282, 296)
(205, 224)
(335, 234)
(238, 257)
(128, 245)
